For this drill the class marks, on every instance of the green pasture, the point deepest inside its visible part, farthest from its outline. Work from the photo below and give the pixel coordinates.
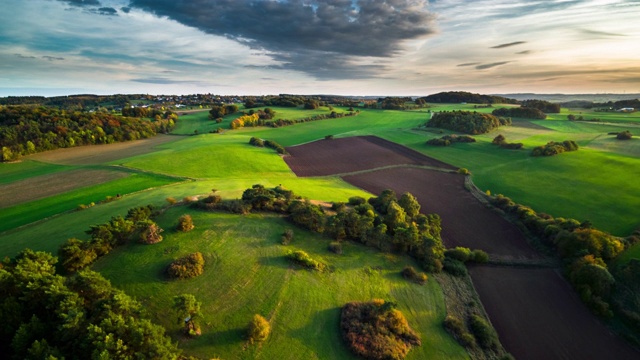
(29, 212)
(10, 172)
(246, 274)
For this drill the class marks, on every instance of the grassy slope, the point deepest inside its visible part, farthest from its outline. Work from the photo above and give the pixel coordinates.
(246, 273)
(26, 213)
(10, 172)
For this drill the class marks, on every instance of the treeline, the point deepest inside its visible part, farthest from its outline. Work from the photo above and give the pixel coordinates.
(609, 105)
(466, 121)
(450, 139)
(256, 120)
(75, 102)
(48, 316)
(268, 143)
(76, 254)
(520, 112)
(385, 222)
(554, 148)
(588, 255)
(502, 142)
(542, 105)
(29, 129)
(451, 97)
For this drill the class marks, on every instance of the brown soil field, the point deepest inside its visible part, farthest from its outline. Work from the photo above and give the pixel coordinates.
(98, 154)
(465, 221)
(40, 187)
(539, 316)
(344, 155)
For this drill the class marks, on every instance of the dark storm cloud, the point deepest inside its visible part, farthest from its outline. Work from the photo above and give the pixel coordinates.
(491, 65)
(125, 9)
(508, 44)
(309, 36)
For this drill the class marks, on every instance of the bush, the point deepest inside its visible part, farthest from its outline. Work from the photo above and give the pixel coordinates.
(451, 139)
(357, 200)
(287, 236)
(554, 148)
(454, 267)
(150, 232)
(171, 200)
(479, 256)
(464, 171)
(410, 273)
(186, 267)
(328, 137)
(376, 330)
(456, 328)
(458, 253)
(258, 329)
(302, 258)
(335, 247)
(483, 332)
(624, 135)
(185, 223)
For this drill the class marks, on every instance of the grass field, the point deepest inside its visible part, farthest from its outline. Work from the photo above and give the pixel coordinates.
(26, 169)
(29, 212)
(246, 273)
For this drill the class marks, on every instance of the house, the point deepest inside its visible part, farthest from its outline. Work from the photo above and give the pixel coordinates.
(627, 109)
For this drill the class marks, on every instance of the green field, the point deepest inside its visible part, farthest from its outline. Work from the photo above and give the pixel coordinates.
(29, 212)
(26, 169)
(246, 273)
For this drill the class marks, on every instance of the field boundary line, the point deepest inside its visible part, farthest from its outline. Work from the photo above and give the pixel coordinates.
(359, 172)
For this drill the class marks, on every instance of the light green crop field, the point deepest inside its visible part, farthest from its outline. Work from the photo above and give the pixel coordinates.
(246, 274)
(29, 212)
(26, 169)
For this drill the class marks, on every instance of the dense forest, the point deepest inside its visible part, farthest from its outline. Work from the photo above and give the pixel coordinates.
(466, 121)
(520, 112)
(544, 106)
(455, 97)
(28, 129)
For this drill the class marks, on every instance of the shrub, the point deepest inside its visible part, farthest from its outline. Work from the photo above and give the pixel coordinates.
(456, 328)
(464, 171)
(376, 330)
(185, 223)
(410, 273)
(328, 137)
(357, 200)
(483, 332)
(479, 256)
(171, 200)
(287, 236)
(454, 267)
(458, 253)
(186, 267)
(335, 247)
(451, 139)
(624, 135)
(554, 148)
(150, 232)
(302, 258)
(258, 329)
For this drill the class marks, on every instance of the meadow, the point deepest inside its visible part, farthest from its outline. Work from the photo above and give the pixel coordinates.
(246, 273)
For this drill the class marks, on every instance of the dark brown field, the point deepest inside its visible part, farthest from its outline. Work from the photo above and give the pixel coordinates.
(535, 311)
(539, 316)
(465, 221)
(340, 156)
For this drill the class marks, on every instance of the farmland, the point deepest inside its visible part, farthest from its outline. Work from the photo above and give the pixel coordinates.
(246, 270)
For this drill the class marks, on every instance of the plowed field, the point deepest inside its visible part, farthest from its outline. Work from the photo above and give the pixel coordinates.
(339, 156)
(539, 316)
(465, 221)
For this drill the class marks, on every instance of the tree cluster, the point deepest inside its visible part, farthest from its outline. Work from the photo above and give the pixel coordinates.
(376, 330)
(554, 148)
(218, 111)
(542, 105)
(450, 139)
(466, 121)
(394, 103)
(624, 135)
(453, 97)
(585, 251)
(268, 143)
(29, 129)
(76, 254)
(501, 141)
(520, 112)
(303, 259)
(410, 273)
(186, 267)
(47, 316)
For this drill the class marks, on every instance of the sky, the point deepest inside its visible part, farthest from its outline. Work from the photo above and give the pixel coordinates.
(342, 47)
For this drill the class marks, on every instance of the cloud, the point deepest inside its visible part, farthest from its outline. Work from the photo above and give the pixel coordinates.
(468, 64)
(508, 44)
(163, 81)
(106, 11)
(125, 9)
(82, 2)
(594, 34)
(491, 65)
(307, 36)
(525, 52)
(52, 58)
(24, 56)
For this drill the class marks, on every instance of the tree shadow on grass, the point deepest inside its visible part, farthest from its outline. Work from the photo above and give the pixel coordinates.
(224, 337)
(277, 261)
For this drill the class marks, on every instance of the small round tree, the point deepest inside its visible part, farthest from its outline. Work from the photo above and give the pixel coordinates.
(258, 329)
(188, 311)
(185, 223)
(150, 232)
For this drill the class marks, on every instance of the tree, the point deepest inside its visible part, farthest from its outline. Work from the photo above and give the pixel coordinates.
(410, 204)
(217, 111)
(258, 329)
(187, 309)
(150, 232)
(185, 223)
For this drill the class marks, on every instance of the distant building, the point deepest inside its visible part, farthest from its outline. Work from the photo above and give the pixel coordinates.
(627, 109)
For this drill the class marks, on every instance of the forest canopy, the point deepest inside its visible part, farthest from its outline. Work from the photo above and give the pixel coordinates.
(466, 121)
